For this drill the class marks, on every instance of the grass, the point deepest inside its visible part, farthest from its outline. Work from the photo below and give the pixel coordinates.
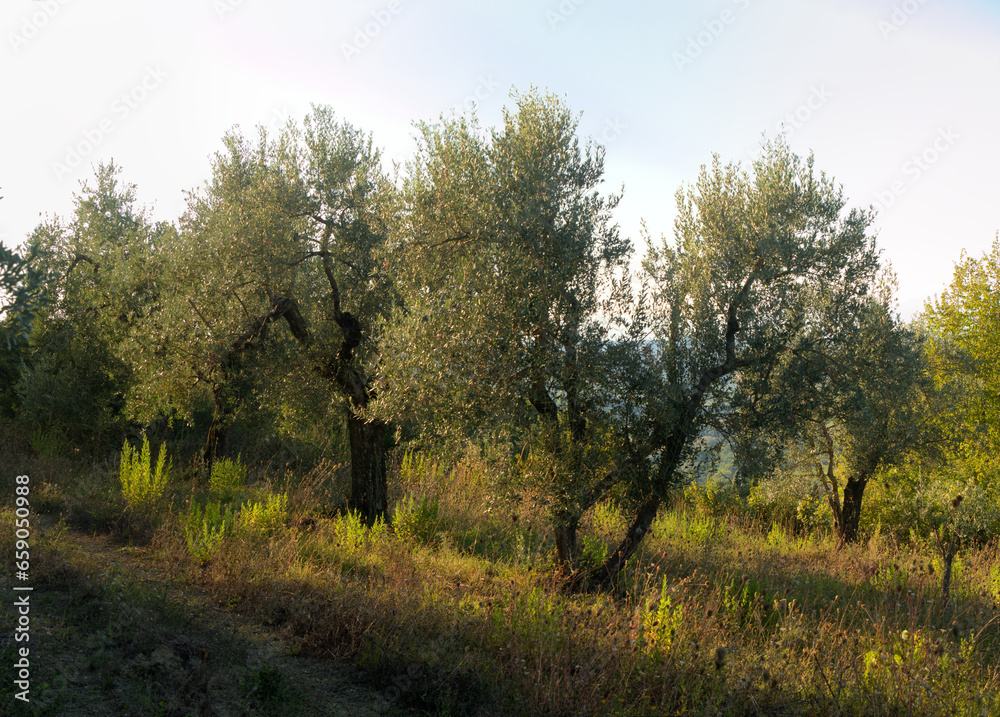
(454, 609)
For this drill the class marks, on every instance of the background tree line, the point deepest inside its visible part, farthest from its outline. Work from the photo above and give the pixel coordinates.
(309, 302)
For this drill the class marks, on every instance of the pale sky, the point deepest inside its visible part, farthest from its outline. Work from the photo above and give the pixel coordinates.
(899, 99)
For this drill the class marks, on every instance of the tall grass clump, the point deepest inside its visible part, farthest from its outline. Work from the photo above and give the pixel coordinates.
(143, 484)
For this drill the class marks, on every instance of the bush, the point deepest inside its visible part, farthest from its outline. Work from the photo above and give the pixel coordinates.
(911, 503)
(265, 517)
(417, 519)
(661, 625)
(713, 499)
(72, 384)
(352, 533)
(791, 497)
(227, 479)
(204, 529)
(142, 485)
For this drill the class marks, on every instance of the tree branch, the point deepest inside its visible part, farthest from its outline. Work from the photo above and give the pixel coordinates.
(77, 258)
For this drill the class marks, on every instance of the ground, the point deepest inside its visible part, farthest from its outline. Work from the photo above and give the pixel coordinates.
(114, 633)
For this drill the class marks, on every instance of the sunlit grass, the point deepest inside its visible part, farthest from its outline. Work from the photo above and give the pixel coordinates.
(454, 606)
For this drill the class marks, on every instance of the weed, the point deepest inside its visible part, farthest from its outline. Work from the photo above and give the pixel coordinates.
(661, 625)
(263, 518)
(142, 484)
(267, 686)
(227, 479)
(418, 519)
(204, 529)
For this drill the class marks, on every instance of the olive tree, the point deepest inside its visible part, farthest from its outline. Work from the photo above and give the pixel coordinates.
(287, 231)
(758, 259)
(98, 268)
(340, 200)
(863, 405)
(507, 258)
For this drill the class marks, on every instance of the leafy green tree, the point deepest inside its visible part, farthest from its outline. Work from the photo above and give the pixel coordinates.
(963, 347)
(219, 279)
(758, 260)
(287, 230)
(343, 199)
(21, 291)
(507, 259)
(98, 289)
(867, 404)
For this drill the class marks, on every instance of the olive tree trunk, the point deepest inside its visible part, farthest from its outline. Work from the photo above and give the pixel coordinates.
(369, 487)
(850, 512)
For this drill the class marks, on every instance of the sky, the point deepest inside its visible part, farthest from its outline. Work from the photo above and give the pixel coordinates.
(899, 100)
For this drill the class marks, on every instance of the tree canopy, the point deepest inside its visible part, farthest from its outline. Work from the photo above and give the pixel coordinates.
(485, 293)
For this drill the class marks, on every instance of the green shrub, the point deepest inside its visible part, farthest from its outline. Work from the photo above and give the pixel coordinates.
(204, 529)
(661, 625)
(418, 469)
(791, 497)
(417, 519)
(227, 479)
(713, 499)
(47, 444)
(912, 503)
(265, 517)
(349, 530)
(143, 485)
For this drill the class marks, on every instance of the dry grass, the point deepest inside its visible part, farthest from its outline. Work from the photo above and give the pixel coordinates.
(456, 609)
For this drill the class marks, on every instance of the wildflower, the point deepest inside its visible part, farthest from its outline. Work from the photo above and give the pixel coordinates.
(905, 635)
(720, 657)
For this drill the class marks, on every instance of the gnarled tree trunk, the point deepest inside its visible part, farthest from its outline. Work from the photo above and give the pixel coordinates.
(369, 487)
(673, 444)
(367, 437)
(850, 511)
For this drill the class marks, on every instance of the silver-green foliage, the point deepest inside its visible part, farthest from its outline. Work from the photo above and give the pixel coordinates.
(508, 261)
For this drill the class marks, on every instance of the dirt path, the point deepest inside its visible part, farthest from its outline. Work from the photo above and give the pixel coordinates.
(113, 634)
